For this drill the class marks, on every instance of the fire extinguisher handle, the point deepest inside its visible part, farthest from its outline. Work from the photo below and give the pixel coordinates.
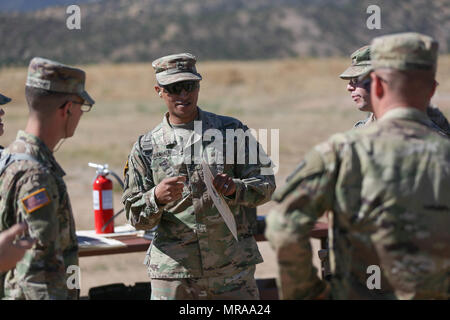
(103, 170)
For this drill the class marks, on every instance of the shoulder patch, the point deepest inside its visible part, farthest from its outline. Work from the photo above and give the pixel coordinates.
(36, 200)
(311, 165)
(125, 169)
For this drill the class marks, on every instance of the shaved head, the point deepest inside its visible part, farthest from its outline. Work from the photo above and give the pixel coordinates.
(410, 84)
(391, 88)
(43, 103)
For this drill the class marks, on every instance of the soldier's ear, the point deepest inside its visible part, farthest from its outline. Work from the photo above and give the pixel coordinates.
(64, 110)
(158, 90)
(433, 89)
(377, 86)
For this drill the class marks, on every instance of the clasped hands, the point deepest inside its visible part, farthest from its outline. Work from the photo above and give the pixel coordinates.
(171, 189)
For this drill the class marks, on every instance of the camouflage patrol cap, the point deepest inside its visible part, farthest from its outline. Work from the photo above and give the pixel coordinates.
(4, 99)
(56, 77)
(175, 68)
(360, 63)
(404, 51)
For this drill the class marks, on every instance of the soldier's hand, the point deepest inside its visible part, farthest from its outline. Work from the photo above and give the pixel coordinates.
(224, 184)
(170, 189)
(12, 251)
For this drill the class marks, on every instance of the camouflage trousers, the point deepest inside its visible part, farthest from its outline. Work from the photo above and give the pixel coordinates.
(240, 285)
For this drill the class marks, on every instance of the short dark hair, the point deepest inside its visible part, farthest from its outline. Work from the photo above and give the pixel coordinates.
(45, 102)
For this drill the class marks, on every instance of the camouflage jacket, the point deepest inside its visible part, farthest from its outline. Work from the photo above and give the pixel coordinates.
(387, 188)
(34, 191)
(438, 119)
(192, 239)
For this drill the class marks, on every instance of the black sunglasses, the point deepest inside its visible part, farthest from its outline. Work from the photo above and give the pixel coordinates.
(177, 87)
(355, 81)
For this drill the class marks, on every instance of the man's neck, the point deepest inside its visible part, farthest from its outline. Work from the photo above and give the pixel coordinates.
(391, 104)
(44, 132)
(176, 120)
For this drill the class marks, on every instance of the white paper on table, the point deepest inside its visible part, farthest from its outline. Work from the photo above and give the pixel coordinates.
(124, 230)
(91, 242)
(219, 201)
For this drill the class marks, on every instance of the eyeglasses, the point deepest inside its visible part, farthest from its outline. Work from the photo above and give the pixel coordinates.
(354, 82)
(177, 87)
(84, 107)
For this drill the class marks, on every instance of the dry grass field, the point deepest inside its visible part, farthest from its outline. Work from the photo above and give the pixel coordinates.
(304, 98)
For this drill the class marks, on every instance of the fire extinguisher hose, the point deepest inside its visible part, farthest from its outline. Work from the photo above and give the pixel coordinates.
(117, 178)
(112, 218)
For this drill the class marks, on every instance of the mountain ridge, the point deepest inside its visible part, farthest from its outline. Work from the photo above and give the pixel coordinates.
(142, 30)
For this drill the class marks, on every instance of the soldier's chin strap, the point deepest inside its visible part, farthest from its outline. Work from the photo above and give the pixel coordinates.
(59, 145)
(69, 114)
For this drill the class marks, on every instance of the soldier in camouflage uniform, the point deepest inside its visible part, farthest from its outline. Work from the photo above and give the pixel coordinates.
(11, 251)
(3, 100)
(360, 92)
(387, 188)
(193, 255)
(32, 188)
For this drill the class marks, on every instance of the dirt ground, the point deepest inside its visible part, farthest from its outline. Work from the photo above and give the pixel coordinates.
(303, 98)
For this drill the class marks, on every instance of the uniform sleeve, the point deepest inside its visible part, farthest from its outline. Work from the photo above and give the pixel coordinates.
(141, 208)
(255, 181)
(41, 273)
(302, 201)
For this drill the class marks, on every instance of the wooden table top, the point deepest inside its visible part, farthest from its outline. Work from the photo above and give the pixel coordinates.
(134, 243)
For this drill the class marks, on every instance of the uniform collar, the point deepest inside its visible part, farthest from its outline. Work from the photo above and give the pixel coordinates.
(42, 151)
(371, 118)
(407, 113)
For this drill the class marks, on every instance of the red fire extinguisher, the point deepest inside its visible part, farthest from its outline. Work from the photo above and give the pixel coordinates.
(103, 199)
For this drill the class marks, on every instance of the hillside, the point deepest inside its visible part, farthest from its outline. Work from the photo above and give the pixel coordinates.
(141, 30)
(27, 5)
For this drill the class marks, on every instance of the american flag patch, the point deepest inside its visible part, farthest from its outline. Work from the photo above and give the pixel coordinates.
(36, 200)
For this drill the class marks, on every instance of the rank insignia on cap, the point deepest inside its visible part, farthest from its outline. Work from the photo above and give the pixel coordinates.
(36, 200)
